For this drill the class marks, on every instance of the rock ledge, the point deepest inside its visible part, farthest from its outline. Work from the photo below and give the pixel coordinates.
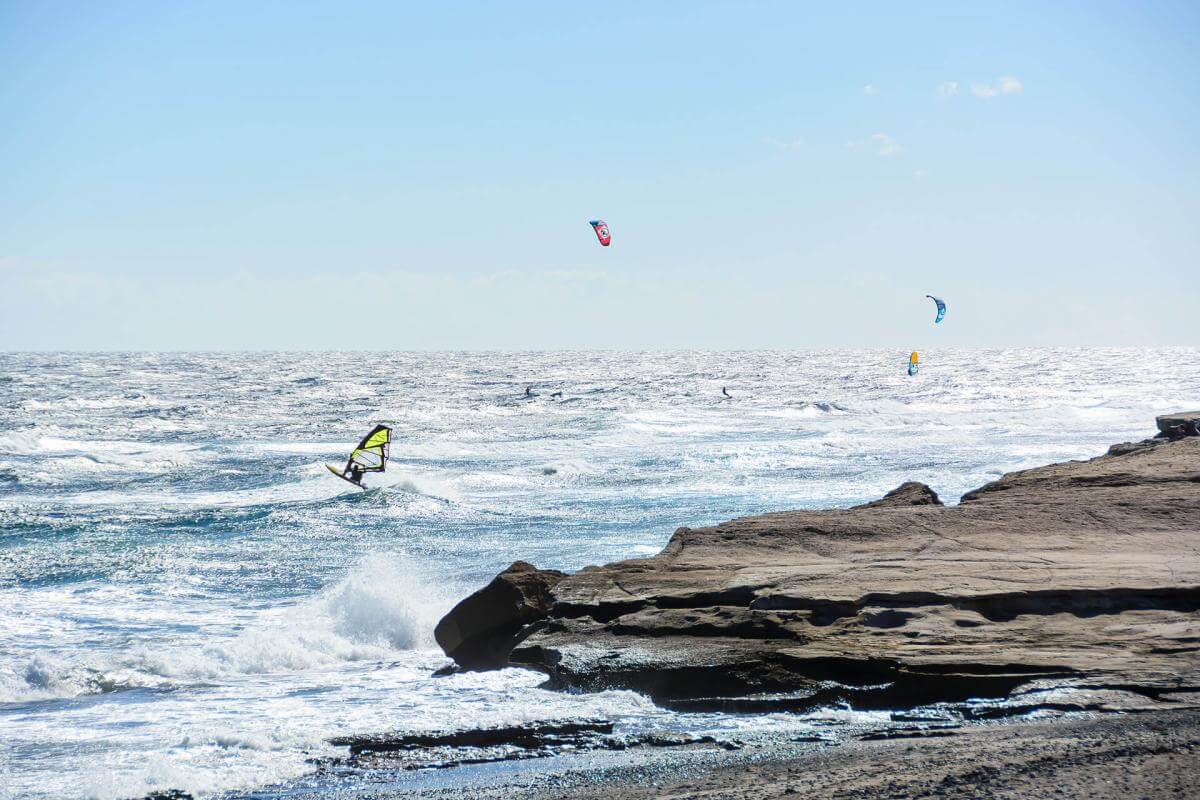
(1084, 574)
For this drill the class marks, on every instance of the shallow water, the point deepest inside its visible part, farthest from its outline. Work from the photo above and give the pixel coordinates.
(189, 600)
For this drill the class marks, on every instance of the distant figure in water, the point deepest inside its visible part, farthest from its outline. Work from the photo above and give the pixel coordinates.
(529, 392)
(557, 394)
(726, 393)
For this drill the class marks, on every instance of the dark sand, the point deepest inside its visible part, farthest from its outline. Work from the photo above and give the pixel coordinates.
(1132, 756)
(1151, 755)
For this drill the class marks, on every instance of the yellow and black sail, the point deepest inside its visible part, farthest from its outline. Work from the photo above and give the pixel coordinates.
(372, 452)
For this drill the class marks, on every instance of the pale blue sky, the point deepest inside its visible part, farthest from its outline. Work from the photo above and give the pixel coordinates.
(273, 175)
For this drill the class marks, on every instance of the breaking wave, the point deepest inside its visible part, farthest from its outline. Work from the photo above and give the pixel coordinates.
(380, 607)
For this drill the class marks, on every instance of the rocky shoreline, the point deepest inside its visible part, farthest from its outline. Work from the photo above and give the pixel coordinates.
(1080, 574)
(1153, 755)
(1064, 600)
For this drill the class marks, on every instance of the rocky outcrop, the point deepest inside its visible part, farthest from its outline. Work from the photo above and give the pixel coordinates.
(910, 493)
(1176, 426)
(480, 631)
(537, 739)
(528, 736)
(1081, 573)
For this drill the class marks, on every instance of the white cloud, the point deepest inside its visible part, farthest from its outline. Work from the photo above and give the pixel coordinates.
(870, 90)
(784, 146)
(1005, 84)
(886, 145)
(1009, 85)
(948, 88)
(883, 145)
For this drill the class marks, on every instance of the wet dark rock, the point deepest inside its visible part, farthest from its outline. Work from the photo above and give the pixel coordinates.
(530, 736)
(674, 739)
(909, 733)
(480, 631)
(440, 750)
(1086, 573)
(923, 715)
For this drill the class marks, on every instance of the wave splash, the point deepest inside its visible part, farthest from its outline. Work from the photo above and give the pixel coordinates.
(381, 606)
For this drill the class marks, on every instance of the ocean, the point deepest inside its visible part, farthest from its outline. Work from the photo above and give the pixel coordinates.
(189, 600)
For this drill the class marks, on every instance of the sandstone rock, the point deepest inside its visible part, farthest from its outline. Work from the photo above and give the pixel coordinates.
(479, 632)
(1087, 573)
(910, 493)
(1174, 426)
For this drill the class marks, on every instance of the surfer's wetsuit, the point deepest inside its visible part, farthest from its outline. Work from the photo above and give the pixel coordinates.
(356, 474)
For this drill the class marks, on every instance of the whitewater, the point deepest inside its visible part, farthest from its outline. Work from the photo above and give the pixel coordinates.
(189, 600)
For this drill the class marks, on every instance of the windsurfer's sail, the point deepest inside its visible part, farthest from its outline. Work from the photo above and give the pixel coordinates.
(372, 452)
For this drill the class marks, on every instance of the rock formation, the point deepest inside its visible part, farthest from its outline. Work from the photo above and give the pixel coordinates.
(1176, 426)
(1080, 573)
(481, 630)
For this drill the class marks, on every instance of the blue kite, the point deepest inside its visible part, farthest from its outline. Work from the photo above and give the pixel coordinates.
(941, 308)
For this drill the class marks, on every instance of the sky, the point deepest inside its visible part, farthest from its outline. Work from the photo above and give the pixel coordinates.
(294, 176)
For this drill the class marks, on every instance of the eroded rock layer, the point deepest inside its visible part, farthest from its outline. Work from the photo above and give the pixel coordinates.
(1080, 573)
